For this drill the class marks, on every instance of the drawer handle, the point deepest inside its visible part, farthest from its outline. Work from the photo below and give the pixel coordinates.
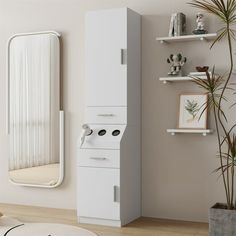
(106, 115)
(98, 158)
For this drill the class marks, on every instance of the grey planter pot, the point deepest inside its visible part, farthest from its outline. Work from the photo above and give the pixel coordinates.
(222, 222)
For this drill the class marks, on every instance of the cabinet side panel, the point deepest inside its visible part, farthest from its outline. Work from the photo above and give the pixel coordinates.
(131, 145)
(134, 68)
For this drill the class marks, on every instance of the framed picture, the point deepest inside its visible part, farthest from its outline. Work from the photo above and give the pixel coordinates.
(191, 111)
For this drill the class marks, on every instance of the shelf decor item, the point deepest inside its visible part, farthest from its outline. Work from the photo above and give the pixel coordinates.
(202, 68)
(177, 24)
(222, 216)
(176, 62)
(192, 114)
(200, 24)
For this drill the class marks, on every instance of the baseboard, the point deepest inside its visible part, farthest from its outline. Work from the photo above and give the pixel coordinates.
(96, 221)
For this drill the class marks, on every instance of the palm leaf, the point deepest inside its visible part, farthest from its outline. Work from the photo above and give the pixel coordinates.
(211, 85)
(219, 37)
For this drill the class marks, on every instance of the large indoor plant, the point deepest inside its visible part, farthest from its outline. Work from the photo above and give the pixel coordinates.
(222, 217)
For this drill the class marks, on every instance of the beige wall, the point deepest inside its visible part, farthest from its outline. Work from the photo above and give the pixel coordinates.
(175, 170)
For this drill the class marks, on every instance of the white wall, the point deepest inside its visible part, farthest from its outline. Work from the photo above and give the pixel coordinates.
(177, 179)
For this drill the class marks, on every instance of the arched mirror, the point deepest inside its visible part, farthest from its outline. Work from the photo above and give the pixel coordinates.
(35, 120)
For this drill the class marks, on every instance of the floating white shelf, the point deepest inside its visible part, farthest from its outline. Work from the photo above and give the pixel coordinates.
(179, 78)
(204, 132)
(183, 38)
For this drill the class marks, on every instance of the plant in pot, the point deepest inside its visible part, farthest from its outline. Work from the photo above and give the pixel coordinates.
(222, 217)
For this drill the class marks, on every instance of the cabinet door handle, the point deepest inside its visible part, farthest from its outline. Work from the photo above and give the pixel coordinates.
(106, 115)
(98, 158)
(123, 56)
(114, 193)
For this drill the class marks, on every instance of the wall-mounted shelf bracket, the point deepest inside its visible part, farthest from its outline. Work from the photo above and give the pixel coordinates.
(184, 38)
(204, 132)
(170, 79)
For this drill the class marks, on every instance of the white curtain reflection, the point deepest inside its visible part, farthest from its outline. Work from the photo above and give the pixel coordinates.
(33, 110)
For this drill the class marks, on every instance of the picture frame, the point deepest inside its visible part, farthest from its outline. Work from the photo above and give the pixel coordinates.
(193, 111)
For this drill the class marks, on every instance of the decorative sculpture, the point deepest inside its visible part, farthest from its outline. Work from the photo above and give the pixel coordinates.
(176, 62)
(200, 24)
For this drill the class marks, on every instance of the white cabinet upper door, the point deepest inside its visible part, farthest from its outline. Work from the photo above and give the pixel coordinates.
(98, 193)
(106, 69)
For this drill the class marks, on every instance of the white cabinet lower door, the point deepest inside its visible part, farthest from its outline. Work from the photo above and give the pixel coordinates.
(98, 193)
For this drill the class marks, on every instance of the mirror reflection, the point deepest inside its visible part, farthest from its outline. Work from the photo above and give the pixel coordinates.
(35, 121)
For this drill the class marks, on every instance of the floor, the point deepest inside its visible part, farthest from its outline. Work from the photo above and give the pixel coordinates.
(141, 227)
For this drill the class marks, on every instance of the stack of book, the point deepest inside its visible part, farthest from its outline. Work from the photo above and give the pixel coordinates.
(177, 24)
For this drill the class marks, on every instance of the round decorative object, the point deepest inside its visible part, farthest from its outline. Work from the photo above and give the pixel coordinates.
(200, 32)
(42, 229)
(102, 132)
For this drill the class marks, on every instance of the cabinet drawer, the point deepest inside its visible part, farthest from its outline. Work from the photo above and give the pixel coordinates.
(106, 115)
(99, 158)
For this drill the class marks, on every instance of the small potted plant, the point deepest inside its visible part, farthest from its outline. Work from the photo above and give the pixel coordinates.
(222, 216)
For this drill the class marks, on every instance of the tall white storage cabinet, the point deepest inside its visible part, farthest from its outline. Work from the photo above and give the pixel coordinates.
(108, 164)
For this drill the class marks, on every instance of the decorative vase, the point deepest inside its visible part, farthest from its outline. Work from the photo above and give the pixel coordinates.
(222, 222)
